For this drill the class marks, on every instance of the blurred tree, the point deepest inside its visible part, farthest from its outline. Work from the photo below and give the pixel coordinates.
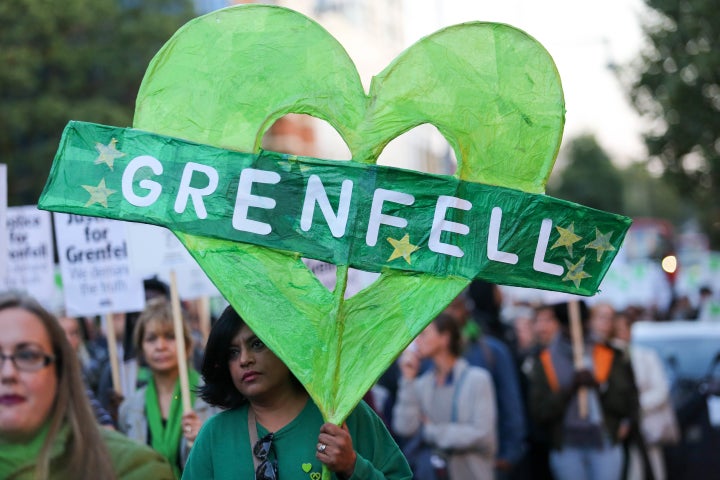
(677, 86)
(647, 195)
(66, 60)
(588, 176)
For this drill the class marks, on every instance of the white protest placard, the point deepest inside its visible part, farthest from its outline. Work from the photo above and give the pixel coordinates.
(3, 213)
(95, 266)
(30, 266)
(155, 251)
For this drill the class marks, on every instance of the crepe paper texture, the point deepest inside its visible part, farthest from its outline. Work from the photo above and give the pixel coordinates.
(219, 84)
(347, 213)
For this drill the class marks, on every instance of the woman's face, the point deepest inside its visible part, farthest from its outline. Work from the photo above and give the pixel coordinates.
(255, 370)
(26, 398)
(430, 341)
(159, 347)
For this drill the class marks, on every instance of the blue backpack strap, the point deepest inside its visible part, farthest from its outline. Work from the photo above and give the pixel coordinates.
(456, 394)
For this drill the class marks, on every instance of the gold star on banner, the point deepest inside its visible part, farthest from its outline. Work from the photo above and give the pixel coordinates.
(98, 194)
(108, 153)
(575, 272)
(601, 244)
(567, 238)
(403, 248)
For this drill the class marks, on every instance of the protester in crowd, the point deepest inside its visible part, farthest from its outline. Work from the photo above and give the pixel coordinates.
(271, 427)
(154, 413)
(132, 373)
(449, 411)
(487, 300)
(654, 395)
(682, 309)
(522, 318)
(546, 325)
(47, 429)
(71, 327)
(488, 352)
(586, 430)
(601, 321)
(128, 366)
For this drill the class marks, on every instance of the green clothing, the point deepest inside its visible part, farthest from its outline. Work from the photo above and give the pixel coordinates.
(131, 460)
(222, 449)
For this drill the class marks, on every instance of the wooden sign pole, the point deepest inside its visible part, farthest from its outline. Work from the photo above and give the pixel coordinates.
(113, 353)
(576, 334)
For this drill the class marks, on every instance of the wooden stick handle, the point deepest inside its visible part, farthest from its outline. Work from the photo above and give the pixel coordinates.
(113, 353)
(203, 307)
(180, 344)
(578, 352)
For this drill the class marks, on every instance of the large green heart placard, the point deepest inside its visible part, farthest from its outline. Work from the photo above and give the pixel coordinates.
(219, 84)
(223, 80)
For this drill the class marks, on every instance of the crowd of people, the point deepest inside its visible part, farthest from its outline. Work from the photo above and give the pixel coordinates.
(486, 391)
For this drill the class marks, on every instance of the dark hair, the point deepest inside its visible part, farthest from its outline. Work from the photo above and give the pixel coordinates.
(447, 323)
(563, 316)
(219, 389)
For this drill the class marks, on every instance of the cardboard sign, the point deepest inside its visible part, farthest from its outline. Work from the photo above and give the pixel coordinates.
(155, 251)
(95, 266)
(31, 267)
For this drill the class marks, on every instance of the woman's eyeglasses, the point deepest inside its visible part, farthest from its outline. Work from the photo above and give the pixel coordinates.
(27, 360)
(268, 469)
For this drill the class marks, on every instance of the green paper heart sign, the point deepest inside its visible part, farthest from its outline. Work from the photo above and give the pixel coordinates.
(193, 164)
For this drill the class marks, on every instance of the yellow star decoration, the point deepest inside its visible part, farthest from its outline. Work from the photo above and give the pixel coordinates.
(108, 153)
(403, 248)
(98, 194)
(567, 238)
(601, 244)
(575, 272)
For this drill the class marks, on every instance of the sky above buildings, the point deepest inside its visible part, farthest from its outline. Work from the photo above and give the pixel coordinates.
(584, 38)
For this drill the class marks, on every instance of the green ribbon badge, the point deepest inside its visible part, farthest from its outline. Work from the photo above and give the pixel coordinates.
(193, 163)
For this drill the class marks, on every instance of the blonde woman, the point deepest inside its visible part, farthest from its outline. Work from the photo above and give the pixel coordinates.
(154, 413)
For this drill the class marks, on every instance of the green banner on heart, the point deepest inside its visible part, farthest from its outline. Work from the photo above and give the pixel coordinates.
(366, 216)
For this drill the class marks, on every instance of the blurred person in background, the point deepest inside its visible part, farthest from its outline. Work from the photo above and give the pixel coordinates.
(154, 413)
(546, 325)
(448, 412)
(601, 321)
(486, 351)
(585, 444)
(71, 327)
(47, 429)
(654, 393)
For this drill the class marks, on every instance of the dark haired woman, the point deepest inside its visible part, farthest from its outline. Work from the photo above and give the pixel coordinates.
(271, 428)
(449, 410)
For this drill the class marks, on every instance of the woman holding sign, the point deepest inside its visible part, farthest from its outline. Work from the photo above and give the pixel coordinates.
(47, 428)
(271, 428)
(154, 414)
